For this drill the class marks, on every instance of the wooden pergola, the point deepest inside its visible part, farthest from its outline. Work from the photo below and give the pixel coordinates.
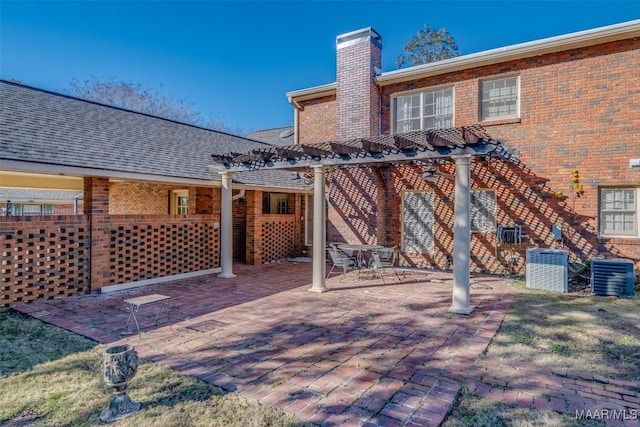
(459, 144)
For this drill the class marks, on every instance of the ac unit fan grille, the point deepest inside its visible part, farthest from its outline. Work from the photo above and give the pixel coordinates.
(547, 269)
(612, 277)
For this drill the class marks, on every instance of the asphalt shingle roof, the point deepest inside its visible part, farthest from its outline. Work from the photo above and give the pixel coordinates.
(21, 194)
(45, 127)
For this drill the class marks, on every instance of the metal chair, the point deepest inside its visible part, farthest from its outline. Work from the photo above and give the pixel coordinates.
(383, 262)
(340, 259)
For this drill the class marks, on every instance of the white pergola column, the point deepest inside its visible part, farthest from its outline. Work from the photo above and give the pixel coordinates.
(462, 236)
(319, 231)
(226, 227)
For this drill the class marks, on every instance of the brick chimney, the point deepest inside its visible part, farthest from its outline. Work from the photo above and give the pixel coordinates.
(358, 98)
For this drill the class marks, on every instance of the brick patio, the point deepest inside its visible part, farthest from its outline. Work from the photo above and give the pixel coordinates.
(364, 353)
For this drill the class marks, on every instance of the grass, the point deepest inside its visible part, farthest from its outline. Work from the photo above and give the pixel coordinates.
(578, 333)
(473, 411)
(600, 335)
(51, 377)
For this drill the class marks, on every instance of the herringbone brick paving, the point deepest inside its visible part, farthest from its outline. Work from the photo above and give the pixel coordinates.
(365, 353)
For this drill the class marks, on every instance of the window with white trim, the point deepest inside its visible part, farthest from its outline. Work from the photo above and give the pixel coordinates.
(483, 211)
(431, 109)
(499, 98)
(179, 202)
(619, 209)
(275, 203)
(417, 222)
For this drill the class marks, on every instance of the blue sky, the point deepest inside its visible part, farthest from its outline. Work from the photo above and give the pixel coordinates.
(236, 60)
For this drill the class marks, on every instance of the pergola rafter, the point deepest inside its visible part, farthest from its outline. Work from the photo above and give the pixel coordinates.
(418, 145)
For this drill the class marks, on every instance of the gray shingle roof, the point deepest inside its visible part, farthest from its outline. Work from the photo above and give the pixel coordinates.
(275, 136)
(45, 127)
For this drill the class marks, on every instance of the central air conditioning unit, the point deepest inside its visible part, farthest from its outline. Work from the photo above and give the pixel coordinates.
(612, 277)
(547, 269)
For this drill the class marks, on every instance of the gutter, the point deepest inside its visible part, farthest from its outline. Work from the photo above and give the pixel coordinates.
(313, 92)
(592, 37)
(626, 30)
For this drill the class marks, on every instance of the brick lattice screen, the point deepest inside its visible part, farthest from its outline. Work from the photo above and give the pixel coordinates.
(278, 238)
(43, 258)
(156, 246)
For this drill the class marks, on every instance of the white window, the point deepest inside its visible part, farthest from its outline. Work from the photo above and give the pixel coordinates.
(483, 211)
(619, 212)
(499, 98)
(179, 203)
(417, 222)
(422, 111)
(275, 203)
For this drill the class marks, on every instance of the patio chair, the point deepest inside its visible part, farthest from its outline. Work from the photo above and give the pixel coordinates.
(340, 259)
(383, 262)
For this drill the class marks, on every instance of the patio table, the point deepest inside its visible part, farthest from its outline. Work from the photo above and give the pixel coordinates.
(359, 250)
(134, 304)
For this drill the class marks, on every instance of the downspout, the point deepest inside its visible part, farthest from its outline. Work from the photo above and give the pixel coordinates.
(296, 117)
(240, 195)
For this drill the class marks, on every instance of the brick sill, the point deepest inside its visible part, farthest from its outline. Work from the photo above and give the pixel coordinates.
(499, 122)
(620, 240)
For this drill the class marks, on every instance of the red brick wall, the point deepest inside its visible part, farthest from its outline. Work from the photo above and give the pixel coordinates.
(149, 246)
(270, 237)
(579, 111)
(145, 198)
(43, 258)
(317, 120)
(207, 200)
(358, 98)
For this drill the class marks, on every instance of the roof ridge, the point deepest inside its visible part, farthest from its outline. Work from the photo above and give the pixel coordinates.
(275, 128)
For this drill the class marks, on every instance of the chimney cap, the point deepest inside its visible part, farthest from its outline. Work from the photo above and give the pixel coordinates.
(359, 36)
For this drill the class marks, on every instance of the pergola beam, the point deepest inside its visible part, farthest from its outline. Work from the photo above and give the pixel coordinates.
(360, 158)
(418, 145)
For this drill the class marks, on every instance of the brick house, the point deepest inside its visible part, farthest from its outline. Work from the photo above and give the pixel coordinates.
(149, 206)
(565, 109)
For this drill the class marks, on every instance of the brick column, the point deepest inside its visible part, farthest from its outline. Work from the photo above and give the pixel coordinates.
(96, 207)
(254, 228)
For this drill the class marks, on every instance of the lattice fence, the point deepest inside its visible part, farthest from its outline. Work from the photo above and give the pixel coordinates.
(148, 247)
(278, 239)
(43, 258)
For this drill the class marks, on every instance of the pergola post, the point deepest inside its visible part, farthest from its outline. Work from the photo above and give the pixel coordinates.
(462, 236)
(226, 227)
(319, 231)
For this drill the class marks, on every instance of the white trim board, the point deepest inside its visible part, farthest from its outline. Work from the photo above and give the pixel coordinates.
(157, 280)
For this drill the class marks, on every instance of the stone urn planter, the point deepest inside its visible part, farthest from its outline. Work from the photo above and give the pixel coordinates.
(119, 365)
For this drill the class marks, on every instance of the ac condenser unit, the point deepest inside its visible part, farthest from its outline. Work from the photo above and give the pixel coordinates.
(613, 277)
(547, 269)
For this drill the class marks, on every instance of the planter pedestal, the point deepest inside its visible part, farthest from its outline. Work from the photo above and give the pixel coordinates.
(119, 365)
